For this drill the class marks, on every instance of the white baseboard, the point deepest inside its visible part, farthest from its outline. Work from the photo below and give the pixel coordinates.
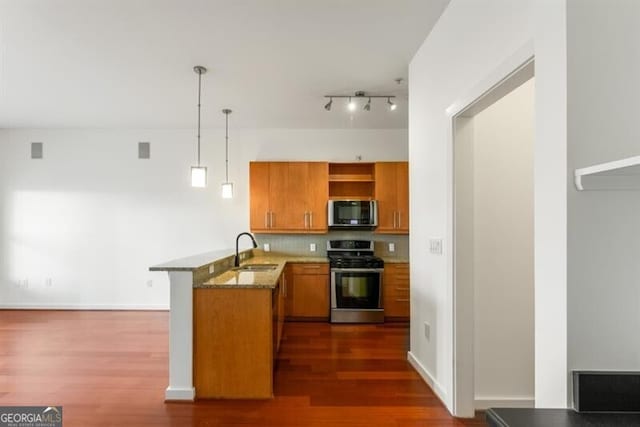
(428, 378)
(27, 306)
(180, 393)
(504, 402)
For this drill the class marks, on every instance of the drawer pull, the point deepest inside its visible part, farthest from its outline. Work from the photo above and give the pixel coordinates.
(402, 299)
(401, 289)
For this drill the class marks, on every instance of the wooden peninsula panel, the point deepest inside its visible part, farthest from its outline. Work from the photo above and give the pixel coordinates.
(233, 343)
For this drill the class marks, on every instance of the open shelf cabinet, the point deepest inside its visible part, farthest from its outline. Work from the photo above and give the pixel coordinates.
(355, 181)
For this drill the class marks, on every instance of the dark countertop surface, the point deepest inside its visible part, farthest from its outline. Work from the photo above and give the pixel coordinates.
(526, 417)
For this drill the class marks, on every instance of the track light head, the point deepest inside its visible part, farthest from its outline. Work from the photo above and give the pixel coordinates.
(328, 106)
(367, 106)
(392, 106)
(351, 105)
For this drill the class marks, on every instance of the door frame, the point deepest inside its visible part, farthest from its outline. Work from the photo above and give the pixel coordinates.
(518, 68)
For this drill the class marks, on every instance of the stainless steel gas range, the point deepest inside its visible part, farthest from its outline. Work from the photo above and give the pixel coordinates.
(356, 282)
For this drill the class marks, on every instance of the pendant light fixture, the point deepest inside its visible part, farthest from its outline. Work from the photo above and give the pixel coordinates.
(227, 187)
(199, 173)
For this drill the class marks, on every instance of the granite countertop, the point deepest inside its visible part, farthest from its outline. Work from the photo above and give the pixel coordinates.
(242, 278)
(193, 262)
(231, 279)
(394, 260)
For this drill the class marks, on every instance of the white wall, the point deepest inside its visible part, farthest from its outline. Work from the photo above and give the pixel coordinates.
(471, 40)
(92, 217)
(604, 227)
(503, 250)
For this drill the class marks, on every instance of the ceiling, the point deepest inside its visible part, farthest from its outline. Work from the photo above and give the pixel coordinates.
(128, 63)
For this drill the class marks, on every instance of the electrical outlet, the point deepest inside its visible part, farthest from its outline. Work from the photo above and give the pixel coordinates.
(435, 246)
(266, 247)
(312, 247)
(392, 247)
(427, 331)
(149, 283)
(48, 282)
(212, 268)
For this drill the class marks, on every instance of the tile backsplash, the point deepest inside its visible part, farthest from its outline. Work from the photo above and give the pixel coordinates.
(298, 244)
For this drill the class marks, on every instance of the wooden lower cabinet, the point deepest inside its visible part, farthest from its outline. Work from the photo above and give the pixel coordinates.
(236, 336)
(396, 291)
(307, 295)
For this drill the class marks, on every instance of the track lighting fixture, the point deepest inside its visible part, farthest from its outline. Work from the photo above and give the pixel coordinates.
(352, 101)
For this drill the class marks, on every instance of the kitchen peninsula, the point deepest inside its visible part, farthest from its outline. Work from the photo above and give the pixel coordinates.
(225, 323)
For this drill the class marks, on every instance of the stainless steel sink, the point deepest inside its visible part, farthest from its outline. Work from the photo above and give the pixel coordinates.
(256, 267)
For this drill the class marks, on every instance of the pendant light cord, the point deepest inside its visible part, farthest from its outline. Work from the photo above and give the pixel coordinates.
(199, 92)
(226, 140)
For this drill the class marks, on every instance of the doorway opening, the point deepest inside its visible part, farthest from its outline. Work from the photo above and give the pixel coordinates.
(493, 261)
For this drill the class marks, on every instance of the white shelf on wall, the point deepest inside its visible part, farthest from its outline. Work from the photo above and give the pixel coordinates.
(623, 174)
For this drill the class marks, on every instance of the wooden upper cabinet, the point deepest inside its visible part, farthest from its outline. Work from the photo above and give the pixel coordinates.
(259, 194)
(280, 214)
(386, 196)
(295, 196)
(317, 194)
(392, 194)
(402, 203)
(293, 200)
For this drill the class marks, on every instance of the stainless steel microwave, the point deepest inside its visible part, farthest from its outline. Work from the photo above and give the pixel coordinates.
(353, 214)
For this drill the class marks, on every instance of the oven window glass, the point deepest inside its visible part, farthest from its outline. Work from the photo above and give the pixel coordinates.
(357, 289)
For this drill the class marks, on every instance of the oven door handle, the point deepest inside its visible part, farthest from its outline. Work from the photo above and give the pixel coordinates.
(357, 270)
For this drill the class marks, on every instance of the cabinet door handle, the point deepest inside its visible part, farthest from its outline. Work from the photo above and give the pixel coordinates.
(271, 220)
(266, 219)
(395, 219)
(310, 219)
(306, 224)
(399, 220)
(284, 288)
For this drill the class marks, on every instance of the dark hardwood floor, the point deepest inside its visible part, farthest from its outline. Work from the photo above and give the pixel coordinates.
(110, 369)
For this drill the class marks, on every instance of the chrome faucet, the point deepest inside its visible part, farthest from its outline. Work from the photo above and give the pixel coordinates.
(236, 263)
